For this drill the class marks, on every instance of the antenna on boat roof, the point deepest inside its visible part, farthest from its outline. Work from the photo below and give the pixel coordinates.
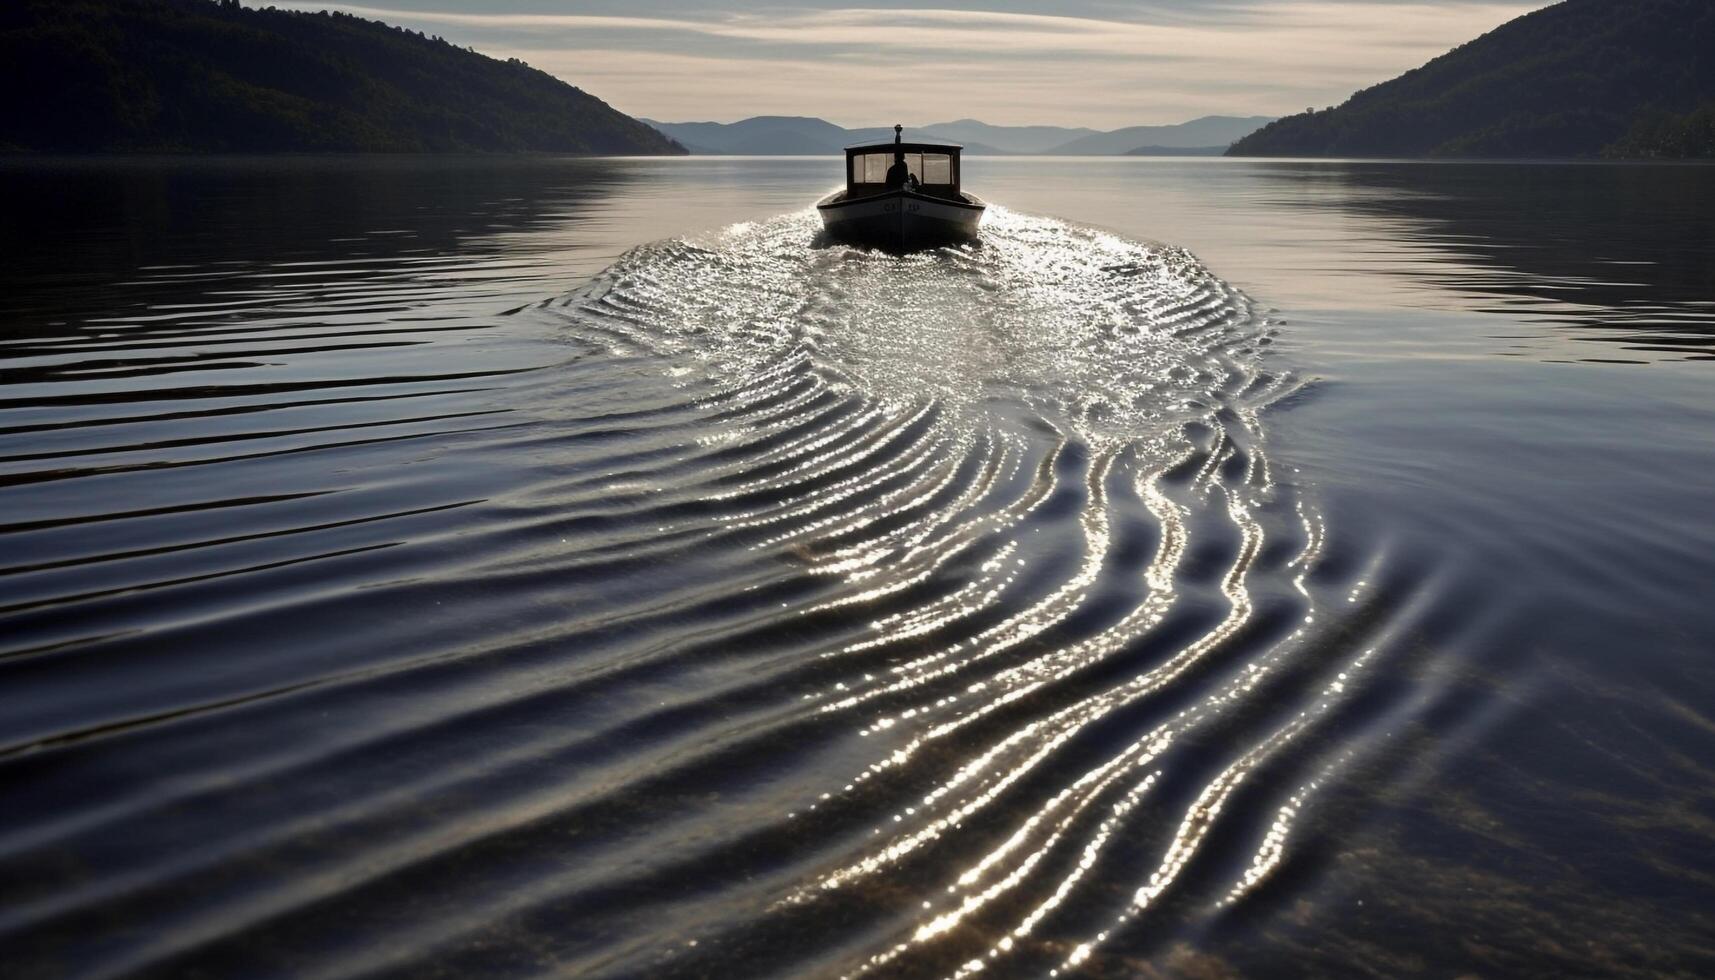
(898, 132)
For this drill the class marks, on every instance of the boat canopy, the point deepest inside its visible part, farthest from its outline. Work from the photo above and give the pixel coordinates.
(935, 165)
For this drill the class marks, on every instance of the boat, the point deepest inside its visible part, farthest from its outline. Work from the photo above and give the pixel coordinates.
(901, 196)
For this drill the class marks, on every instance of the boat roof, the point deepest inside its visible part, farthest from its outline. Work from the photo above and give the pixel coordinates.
(908, 146)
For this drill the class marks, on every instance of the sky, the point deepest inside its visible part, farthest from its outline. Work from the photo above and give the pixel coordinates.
(1076, 63)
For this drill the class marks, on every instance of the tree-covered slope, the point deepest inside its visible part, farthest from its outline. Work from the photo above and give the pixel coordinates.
(1662, 135)
(1565, 81)
(201, 75)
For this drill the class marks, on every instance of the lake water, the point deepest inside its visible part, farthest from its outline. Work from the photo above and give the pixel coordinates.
(482, 567)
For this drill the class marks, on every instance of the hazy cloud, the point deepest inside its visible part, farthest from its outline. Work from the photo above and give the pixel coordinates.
(1081, 64)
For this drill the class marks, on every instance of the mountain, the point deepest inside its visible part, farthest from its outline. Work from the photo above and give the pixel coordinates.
(879, 133)
(1008, 139)
(790, 136)
(806, 136)
(1207, 131)
(760, 136)
(1566, 81)
(196, 75)
(1177, 151)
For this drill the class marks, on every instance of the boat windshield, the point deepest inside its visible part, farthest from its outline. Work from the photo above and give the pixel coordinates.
(928, 168)
(871, 168)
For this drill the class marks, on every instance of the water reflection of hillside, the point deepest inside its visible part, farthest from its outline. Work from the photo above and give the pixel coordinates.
(80, 236)
(1620, 255)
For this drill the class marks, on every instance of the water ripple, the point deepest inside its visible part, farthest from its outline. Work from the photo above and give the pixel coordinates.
(949, 610)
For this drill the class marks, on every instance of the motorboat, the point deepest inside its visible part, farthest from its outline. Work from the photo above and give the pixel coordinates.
(901, 196)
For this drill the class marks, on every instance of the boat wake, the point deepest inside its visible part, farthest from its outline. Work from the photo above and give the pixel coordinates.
(829, 612)
(1063, 608)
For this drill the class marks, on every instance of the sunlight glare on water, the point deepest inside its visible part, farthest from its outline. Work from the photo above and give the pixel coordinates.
(1055, 410)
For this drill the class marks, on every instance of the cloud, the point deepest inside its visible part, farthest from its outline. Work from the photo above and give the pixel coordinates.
(857, 65)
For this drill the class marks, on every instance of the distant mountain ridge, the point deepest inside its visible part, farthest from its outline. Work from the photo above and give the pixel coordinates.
(782, 135)
(1207, 131)
(1177, 151)
(201, 76)
(809, 136)
(1582, 78)
(787, 136)
(1009, 139)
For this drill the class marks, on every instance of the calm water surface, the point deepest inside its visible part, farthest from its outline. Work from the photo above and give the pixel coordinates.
(478, 567)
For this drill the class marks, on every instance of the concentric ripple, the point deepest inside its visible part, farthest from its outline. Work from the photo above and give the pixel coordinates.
(817, 611)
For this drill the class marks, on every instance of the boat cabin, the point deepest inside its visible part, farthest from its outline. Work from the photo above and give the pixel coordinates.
(901, 196)
(935, 167)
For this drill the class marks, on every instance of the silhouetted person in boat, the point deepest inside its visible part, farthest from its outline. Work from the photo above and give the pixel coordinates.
(899, 173)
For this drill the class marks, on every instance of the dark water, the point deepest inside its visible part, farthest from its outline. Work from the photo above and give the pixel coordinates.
(427, 567)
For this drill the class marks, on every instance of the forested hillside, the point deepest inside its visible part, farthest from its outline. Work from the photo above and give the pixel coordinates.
(1571, 80)
(201, 75)
(1669, 136)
